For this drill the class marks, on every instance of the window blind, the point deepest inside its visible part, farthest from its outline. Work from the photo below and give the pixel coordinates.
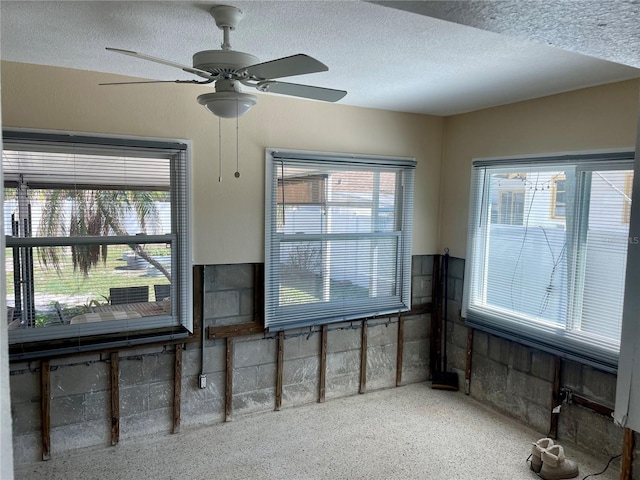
(547, 252)
(337, 238)
(85, 218)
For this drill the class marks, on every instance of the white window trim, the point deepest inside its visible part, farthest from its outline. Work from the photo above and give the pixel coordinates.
(308, 315)
(542, 336)
(183, 314)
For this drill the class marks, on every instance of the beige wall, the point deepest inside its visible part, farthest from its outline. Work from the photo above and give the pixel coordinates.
(596, 118)
(228, 216)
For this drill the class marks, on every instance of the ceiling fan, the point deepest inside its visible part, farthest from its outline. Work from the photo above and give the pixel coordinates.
(228, 69)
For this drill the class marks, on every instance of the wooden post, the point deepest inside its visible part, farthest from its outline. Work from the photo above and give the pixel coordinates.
(228, 388)
(555, 397)
(435, 342)
(363, 359)
(45, 408)
(467, 370)
(400, 353)
(177, 389)
(115, 398)
(279, 367)
(323, 364)
(628, 445)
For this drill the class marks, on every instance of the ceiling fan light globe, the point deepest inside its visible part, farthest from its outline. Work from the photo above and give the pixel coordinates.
(228, 104)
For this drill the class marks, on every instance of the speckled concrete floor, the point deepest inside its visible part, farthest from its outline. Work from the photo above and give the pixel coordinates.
(412, 432)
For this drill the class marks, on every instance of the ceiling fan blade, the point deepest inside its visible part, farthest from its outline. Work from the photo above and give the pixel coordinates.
(286, 67)
(158, 81)
(304, 91)
(195, 71)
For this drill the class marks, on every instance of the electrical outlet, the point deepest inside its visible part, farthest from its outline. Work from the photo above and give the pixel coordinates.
(202, 381)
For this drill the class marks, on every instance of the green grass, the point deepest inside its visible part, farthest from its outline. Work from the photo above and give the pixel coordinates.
(95, 286)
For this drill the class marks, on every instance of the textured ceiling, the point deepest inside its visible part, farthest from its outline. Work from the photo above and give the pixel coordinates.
(608, 29)
(400, 58)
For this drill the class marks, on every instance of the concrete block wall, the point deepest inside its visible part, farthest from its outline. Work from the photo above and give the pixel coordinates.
(81, 385)
(518, 380)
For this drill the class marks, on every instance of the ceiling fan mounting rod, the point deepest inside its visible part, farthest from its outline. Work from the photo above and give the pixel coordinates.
(226, 45)
(227, 19)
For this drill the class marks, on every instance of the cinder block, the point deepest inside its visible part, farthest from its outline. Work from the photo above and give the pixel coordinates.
(538, 417)
(499, 349)
(79, 379)
(246, 302)
(301, 370)
(342, 385)
(215, 358)
(532, 388)
(257, 351)
(134, 400)
(456, 267)
(302, 346)
(24, 387)
(25, 418)
(381, 367)
(256, 401)
(344, 340)
(97, 405)
(422, 286)
(595, 432)
(480, 343)
(158, 367)
(145, 424)
(67, 410)
(160, 395)
(459, 334)
(520, 357)
(457, 357)
(572, 375)
(382, 359)
(245, 379)
(416, 265)
(235, 276)
(488, 381)
(427, 264)
(267, 375)
(416, 328)
(383, 334)
(131, 371)
(76, 436)
(543, 365)
(299, 394)
(415, 354)
(599, 386)
(221, 304)
(340, 363)
(27, 448)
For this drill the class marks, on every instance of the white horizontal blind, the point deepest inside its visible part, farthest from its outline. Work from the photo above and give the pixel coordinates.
(547, 252)
(338, 237)
(86, 217)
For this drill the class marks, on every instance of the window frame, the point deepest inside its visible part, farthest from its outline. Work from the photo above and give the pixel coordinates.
(519, 327)
(29, 343)
(280, 317)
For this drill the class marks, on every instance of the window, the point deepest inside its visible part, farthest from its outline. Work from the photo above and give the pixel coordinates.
(338, 237)
(553, 281)
(558, 197)
(96, 238)
(510, 207)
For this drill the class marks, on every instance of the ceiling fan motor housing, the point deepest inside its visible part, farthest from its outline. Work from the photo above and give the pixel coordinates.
(223, 60)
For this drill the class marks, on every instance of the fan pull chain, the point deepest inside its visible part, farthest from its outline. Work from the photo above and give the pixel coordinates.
(237, 174)
(219, 151)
